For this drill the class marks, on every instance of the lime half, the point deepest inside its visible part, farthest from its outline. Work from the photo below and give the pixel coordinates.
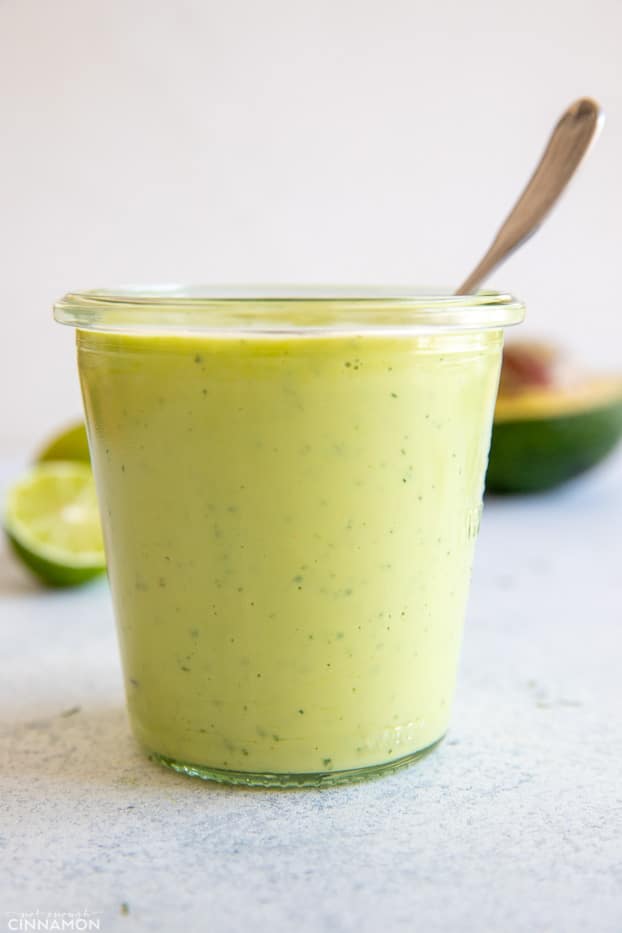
(70, 444)
(52, 521)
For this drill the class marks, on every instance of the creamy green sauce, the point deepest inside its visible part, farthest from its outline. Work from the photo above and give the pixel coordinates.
(289, 525)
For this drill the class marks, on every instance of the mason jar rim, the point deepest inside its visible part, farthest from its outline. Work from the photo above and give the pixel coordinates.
(291, 309)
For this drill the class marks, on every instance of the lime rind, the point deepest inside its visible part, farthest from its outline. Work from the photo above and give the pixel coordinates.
(51, 572)
(69, 444)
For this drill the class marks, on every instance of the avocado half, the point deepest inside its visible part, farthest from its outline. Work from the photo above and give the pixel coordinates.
(545, 434)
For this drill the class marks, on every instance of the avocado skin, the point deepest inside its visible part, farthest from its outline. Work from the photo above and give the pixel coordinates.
(536, 454)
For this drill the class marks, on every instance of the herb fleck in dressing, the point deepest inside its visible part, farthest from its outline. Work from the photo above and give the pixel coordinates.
(290, 536)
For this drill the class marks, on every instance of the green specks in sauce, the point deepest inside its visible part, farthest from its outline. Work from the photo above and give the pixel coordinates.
(308, 426)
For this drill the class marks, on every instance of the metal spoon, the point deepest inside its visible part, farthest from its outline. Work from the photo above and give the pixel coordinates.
(577, 128)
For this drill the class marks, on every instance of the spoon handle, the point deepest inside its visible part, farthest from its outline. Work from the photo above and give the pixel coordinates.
(568, 144)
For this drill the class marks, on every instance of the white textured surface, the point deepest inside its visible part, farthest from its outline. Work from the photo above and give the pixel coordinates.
(512, 826)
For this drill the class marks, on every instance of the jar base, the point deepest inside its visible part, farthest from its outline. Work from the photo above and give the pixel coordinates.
(286, 780)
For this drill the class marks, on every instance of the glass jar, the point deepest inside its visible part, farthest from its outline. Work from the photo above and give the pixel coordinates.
(290, 486)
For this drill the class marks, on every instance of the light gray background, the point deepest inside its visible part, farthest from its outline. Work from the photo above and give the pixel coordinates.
(339, 140)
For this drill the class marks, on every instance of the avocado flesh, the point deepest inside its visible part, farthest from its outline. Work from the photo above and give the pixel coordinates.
(545, 438)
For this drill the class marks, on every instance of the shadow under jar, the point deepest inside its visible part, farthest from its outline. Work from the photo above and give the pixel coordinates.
(290, 487)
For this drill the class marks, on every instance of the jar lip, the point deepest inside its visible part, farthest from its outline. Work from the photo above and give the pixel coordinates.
(284, 308)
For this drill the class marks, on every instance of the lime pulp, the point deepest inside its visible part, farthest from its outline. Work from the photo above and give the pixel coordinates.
(52, 522)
